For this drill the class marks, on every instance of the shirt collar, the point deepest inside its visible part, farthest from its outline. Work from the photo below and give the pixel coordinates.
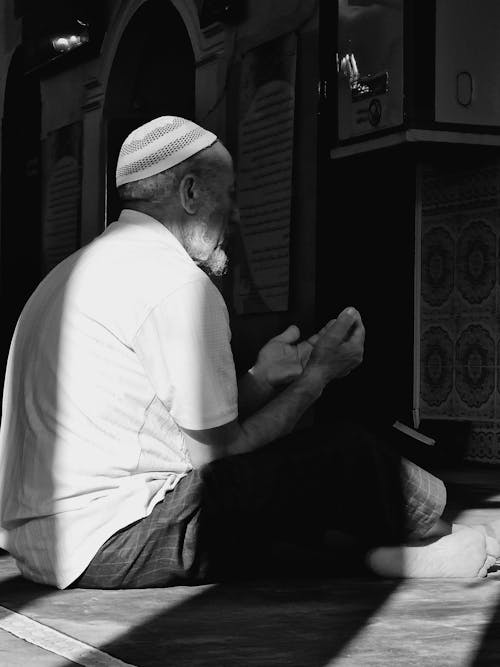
(130, 218)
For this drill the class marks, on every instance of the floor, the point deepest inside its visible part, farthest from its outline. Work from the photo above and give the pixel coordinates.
(350, 621)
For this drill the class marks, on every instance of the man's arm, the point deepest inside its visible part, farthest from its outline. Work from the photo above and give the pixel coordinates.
(279, 362)
(337, 350)
(253, 393)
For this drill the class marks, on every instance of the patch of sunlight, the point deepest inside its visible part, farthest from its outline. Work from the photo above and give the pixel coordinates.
(441, 621)
(55, 642)
(80, 620)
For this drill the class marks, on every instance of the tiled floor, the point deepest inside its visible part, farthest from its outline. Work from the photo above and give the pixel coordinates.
(353, 622)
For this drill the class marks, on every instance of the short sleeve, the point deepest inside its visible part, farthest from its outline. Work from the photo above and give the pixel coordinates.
(184, 347)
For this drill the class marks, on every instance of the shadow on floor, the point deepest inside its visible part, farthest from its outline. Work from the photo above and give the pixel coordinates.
(292, 621)
(304, 623)
(483, 493)
(489, 651)
(257, 624)
(300, 623)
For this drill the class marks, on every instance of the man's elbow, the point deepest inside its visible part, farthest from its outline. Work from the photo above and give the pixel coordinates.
(212, 444)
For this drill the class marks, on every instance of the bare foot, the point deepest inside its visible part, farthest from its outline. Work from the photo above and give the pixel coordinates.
(463, 554)
(490, 530)
(494, 526)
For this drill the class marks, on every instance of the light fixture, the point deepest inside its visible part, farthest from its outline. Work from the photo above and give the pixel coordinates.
(62, 43)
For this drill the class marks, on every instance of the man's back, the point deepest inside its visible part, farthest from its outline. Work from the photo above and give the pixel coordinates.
(87, 443)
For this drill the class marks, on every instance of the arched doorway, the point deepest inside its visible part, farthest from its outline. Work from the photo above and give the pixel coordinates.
(153, 74)
(21, 231)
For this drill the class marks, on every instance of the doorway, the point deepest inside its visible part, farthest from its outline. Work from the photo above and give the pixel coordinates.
(153, 74)
(21, 227)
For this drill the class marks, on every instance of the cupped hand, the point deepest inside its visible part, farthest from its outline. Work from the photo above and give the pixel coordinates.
(279, 361)
(338, 348)
(332, 352)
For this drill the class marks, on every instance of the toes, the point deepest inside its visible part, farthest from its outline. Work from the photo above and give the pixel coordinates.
(492, 547)
(493, 529)
(488, 563)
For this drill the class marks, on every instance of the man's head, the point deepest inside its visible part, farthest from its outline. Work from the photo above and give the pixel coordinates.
(180, 174)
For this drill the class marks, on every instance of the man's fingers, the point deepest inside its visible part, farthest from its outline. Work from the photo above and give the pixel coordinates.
(345, 322)
(328, 325)
(350, 312)
(357, 334)
(347, 325)
(290, 335)
(315, 337)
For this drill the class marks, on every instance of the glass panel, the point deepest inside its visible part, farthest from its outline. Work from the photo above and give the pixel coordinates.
(370, 66)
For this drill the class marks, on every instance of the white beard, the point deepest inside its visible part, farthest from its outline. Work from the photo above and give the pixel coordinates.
(216, 264)
(204, 251)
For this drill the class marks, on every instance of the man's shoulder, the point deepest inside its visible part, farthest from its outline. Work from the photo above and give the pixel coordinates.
(132, 280)
(142, 252)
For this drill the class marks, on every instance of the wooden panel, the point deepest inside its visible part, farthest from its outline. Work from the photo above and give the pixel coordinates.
(61, 223)
(265, 166)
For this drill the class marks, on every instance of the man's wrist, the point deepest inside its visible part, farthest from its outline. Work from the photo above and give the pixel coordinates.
(312, 382)
(260, 381)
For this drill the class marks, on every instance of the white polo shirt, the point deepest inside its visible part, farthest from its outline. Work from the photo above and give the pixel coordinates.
(122, 343)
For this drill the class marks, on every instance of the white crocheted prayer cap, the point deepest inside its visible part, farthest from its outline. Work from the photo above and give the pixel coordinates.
(158, 145)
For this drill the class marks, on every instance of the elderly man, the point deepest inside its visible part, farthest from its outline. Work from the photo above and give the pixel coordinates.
(130, 454)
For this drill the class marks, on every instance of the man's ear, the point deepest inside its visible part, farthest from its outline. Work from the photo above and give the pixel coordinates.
(188, 190)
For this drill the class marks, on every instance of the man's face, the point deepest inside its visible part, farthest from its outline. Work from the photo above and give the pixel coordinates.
(222, 209)
(206, 235)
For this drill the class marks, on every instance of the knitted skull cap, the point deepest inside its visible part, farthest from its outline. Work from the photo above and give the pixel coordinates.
(158, 145)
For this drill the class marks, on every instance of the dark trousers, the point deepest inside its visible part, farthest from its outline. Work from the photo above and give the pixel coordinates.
(231, 518)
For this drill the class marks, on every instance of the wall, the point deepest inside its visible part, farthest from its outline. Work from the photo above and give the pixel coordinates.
(460, 288)
(79, 103)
